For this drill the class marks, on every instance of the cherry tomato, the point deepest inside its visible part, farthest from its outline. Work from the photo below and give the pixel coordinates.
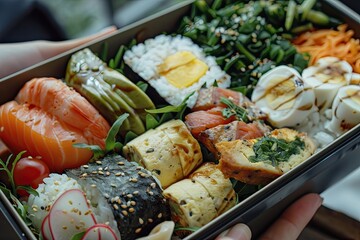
(29, 172)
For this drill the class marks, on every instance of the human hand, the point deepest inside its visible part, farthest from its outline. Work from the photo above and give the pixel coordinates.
(289, 225)
(16, 56)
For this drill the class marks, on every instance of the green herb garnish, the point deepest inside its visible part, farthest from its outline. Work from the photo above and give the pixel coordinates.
(274, 150)
(111, 142)
(8, 167)
(234, 110)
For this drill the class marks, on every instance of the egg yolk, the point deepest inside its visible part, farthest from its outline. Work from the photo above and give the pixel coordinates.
(182, 69)
(282, 95)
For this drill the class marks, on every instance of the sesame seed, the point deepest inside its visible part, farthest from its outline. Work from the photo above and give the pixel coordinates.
(138, 230)
(131, 210)
(106, 168)
(113, 185)
(123, 206)
(116, 206)
(120, 163)
(64, 227)
(159, 215)
(107, 173)
(125, 213)
(94, 172)
(98, 162)
(153, 185)
(133, 203)
(101, 172)
(100, 169)
(87, 212)
(106, 195)
(151, 193)
(70, 202)
(136, 192)
(150, 220)
(129, 195)
(141, 221)
(85, 166)
(134, 180)
(139, 168)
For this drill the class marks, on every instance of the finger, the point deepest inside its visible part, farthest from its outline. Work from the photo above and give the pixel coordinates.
(49, 49)
(294, 219)
(238, 232)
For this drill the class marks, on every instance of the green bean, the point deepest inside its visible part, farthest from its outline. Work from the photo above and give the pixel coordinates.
(290, 15)
(280, 56)
(305, 7)
(302, 28)
(244, 51)
(318, 17)
(202, 5)
(231, 62)
(216, 4)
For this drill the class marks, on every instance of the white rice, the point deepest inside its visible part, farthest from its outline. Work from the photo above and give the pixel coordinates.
(57, 184)
(145, 57)
(49, 191)
(315, 127)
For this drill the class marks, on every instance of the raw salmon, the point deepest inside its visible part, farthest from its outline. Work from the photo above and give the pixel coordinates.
(27, 127)
(230, 132)
(211, 97)
(201, 120)
(57, 99)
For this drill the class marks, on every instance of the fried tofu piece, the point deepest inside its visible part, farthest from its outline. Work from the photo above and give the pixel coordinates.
(237, 158)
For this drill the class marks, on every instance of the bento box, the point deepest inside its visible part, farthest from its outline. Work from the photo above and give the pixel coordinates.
(259, 210)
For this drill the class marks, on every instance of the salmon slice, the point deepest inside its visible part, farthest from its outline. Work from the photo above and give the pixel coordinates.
(211, 97)
(199, 121)
(27, 127)
(230, 132)
(57, 99)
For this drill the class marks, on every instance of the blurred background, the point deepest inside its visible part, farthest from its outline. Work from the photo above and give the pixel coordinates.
(24, 20)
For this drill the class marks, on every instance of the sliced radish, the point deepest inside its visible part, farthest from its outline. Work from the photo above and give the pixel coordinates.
(45, 229)
(70, 214)
(100, 232)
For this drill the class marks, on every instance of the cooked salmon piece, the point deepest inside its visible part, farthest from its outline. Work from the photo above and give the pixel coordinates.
(199, 121)
(211, 97)
(230, 132)
(26, 127)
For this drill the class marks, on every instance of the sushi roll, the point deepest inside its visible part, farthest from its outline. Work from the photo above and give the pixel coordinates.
(175, 67)
(170, 152)
(119, 193)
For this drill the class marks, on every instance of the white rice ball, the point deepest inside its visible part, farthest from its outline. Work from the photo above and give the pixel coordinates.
(49, 191)
(145, 57)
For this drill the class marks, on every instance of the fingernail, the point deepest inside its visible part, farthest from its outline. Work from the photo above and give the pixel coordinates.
(239, 231)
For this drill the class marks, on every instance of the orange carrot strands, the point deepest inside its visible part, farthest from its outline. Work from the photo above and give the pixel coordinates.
(327, 42)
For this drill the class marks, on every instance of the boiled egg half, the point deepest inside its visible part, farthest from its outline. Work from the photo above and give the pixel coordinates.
(345, 109)
(284, 96)
(326, 77)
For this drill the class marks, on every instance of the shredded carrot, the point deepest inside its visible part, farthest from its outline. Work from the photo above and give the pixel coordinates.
(327, 42)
